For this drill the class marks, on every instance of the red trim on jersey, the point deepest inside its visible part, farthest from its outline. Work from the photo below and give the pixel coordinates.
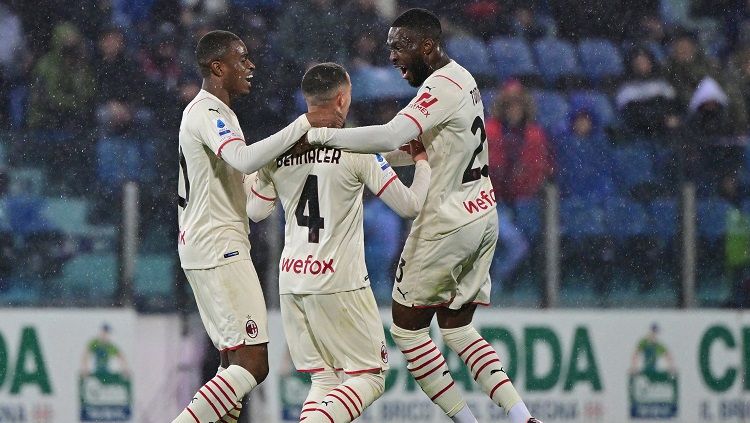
(357, 372)
(415, 122)
(318, 369)
(227, 142)
(443, 76)
(443, 304)
(480, 303)
(393, 178)
(260, 196)
(197, 420)
(234, 348)
(193, 105)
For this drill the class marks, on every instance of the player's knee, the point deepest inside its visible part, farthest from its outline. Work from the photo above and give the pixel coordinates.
(254, 359)
(403, 336)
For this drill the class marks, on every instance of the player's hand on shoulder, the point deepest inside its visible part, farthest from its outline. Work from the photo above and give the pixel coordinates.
(417, 151)
(325, 119)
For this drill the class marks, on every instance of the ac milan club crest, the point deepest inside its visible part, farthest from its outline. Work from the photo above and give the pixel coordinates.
(384, 353)
(251, 328)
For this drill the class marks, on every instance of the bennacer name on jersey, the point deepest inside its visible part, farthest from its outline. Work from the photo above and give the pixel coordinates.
(317, 155)
(223, 130)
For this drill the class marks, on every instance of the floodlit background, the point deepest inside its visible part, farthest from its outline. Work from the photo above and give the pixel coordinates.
(618, 139)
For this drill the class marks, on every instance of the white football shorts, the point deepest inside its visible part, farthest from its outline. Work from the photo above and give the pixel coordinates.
(231, 304)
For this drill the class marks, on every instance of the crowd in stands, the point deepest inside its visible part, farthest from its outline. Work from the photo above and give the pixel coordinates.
(617, 103)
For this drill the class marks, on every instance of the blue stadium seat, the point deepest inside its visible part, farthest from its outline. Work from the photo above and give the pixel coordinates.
(528, 217)
(665, 218)
(712, 216)
(512, 57)
(625, 218)
(600, 59)
(154, 275)
(580, 219)
(471, 53)
(90, 277)
(376, 83)
(67, 214)
(597, 101)
(551, 109)
(556, 58)
(634, 165)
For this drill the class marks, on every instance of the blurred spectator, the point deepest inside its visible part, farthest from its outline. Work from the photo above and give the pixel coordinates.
(118, 76)
(159, 60)
(310, 33)
(737, 240)
(15, 61)
(63, 84)
(519, 155)
(525, 23)
(645, 98)
(739, 65)
(512, 249)
(604, 19)
(366, 37)
(121, 156)
(711, 146)
(583, 158)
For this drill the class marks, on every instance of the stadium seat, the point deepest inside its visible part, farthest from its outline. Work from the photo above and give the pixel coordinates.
(376, 83)
(67, 214)
(597, 101)
(625, 218)
(633, 166)
(556, 59)
(27, 179)
(579, 219)
(551, 109)
(512, 57)
(665, 218)
(471, 53)
(600, 59)
(528, 217)
(712, 216)
(154, 275)
(91, 277)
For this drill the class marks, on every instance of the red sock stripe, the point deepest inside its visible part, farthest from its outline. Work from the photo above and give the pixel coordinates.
(429, 341)
(494, 360)
(361, 404)
(231, 401)
(481, 357)
(193, 414)
(470, 345)
(302, 418)
(426, 362)
(348, 410)
(227, 383)
(200, 391)
(474, 352)
(354, 404)
(429, 372)
(235, 418)
(309, 402)
(441, 392)
(492, 392)
(226, 408)
(305, 410)
(434, 348)
(326, 414)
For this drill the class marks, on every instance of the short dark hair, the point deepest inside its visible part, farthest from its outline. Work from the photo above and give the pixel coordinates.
(420, 20)
(213, 46)
(321, 80)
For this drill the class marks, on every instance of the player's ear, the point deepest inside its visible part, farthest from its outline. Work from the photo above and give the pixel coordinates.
(217, 68)
(428, 45)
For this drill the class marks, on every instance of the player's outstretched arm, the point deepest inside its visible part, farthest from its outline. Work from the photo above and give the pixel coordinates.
(406, 201)
(367, 139)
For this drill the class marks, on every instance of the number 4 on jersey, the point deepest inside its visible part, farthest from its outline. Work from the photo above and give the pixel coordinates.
(312, 219)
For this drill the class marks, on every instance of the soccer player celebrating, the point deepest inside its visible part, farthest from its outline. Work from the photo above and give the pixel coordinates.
(331, 320)
(213, 243)
(444, 266)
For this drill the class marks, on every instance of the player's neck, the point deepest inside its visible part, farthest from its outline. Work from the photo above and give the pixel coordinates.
(438, 60)
(218, 91)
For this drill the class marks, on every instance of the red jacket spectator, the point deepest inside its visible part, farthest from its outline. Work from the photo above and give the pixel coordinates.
(519, 153)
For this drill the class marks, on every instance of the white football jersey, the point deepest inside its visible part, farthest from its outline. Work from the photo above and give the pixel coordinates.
(213, 224)
(321, 194)
(450, 115)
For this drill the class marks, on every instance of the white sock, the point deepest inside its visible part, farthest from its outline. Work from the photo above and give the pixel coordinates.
(234, 414)
(519, 413)
(322, 383)
(347, 401)
(464, 416)
(218, 396)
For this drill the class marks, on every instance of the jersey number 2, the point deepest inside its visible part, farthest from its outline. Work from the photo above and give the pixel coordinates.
(312, 220)
(472, 174)
(183, 167)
